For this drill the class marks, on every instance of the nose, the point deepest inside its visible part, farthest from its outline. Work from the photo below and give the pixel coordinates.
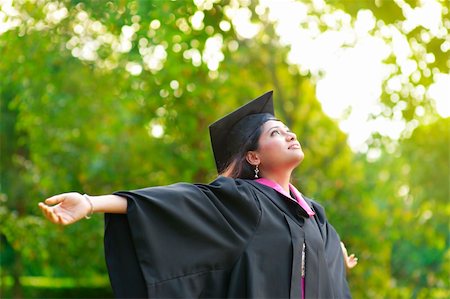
(290, 136)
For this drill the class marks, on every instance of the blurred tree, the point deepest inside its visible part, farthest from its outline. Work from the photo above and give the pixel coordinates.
(410, 187)
(418, 258)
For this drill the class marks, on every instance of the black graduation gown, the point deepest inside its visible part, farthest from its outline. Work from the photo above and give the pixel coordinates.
(232, 238)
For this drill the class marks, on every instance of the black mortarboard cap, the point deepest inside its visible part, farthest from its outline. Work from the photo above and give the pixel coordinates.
(230, 133)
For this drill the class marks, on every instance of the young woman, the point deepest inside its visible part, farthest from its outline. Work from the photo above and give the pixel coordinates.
(249, 233)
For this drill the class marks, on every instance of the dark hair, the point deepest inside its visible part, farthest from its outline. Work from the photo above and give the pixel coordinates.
(238, 166)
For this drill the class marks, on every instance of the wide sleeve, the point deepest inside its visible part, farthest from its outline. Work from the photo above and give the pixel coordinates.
(177, 231)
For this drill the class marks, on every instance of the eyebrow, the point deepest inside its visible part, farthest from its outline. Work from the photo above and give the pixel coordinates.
(285, 127)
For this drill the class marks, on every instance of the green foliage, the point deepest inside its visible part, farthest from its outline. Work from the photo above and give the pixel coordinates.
(419, 257)
(410, 187)
(82, 98)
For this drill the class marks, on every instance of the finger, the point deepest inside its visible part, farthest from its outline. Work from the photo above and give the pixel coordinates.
(41, 206)
(54, 217)
(44, 209)
(55, 199)
(47, 213)
(62, 221)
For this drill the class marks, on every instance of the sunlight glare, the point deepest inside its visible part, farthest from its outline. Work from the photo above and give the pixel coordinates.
(439, 91)
(9, 16)
(241, 19)
(427, 15)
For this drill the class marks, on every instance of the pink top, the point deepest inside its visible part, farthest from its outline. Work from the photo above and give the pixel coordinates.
(298, 197)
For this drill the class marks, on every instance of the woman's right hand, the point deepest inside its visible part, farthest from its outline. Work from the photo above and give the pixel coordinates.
(65, 208)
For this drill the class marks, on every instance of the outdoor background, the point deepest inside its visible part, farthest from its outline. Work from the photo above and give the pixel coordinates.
(99, 96)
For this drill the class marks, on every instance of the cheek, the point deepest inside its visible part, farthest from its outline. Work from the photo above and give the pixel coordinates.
(268, 146)
(270, 150)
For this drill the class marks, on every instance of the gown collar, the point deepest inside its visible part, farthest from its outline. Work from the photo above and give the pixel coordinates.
(298, 197)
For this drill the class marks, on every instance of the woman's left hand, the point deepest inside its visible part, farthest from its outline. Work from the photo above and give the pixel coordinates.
(350, 261)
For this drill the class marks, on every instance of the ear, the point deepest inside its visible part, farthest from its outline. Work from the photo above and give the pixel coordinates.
(252, 157)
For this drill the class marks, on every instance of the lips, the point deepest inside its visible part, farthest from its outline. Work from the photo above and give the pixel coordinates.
(294, 146)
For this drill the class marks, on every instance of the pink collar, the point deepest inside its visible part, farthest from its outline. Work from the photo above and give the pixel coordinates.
(298, 197)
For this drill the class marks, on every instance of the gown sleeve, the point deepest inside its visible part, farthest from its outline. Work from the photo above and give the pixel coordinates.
(178, 234)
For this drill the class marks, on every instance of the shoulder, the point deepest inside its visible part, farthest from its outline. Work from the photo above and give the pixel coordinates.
(223, 180)
(226, 185)
(232, 190)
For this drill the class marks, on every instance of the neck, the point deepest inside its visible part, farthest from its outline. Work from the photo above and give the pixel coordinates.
(281, 179)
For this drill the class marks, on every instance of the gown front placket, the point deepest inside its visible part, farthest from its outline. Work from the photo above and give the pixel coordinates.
(300, 201)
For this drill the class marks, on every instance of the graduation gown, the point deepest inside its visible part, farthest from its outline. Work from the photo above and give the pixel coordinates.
(231, 238)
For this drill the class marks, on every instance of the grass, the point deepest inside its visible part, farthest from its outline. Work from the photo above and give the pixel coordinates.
(60, 287)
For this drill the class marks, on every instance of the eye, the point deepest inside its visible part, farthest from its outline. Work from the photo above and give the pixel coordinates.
(275, 132)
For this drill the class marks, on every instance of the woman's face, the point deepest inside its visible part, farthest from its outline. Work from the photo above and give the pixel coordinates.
(278, 147)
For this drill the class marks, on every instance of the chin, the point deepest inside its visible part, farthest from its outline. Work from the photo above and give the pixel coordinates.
(300, 160)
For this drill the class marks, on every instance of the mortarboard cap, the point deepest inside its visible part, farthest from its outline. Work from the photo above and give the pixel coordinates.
(230, 133)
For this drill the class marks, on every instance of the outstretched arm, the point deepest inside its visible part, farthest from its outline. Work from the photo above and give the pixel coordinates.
(67, 208)
(350, 261)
